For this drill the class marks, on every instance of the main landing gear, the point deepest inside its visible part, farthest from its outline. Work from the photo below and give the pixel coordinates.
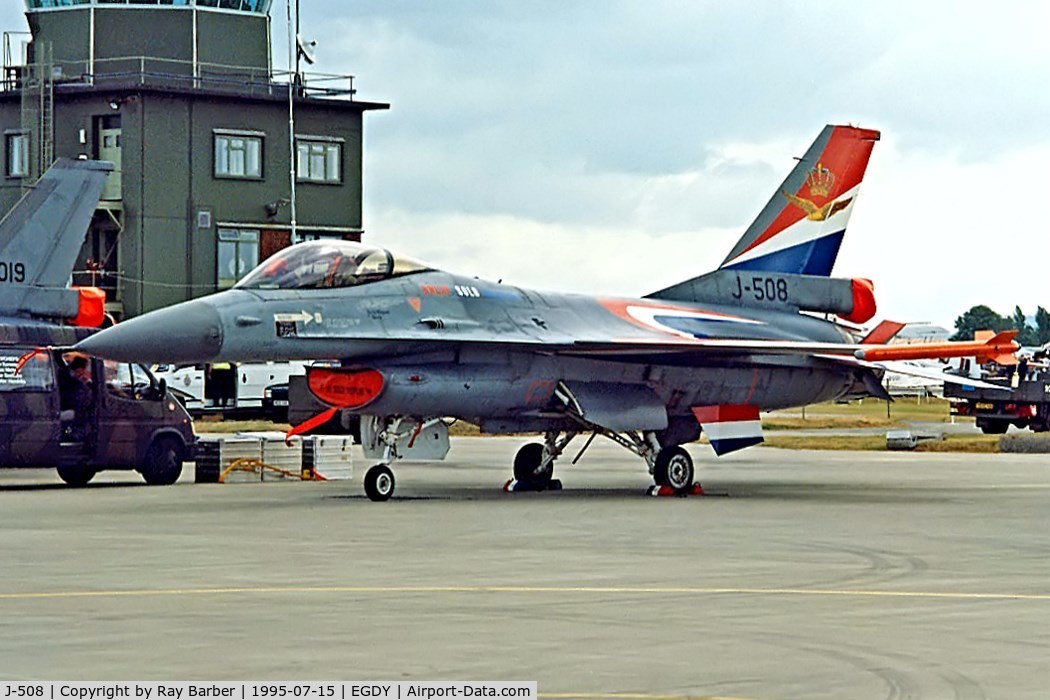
(534, 464)
(387, 439)
(671, 466)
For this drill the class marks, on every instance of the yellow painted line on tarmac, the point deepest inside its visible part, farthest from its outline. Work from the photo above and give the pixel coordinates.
(527, 590)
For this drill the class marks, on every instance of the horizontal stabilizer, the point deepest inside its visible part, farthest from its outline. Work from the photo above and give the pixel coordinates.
(776, 291)
(909, 369)
(883, 333)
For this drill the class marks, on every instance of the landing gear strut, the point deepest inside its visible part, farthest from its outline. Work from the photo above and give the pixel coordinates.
(671, 466)
(390, 438)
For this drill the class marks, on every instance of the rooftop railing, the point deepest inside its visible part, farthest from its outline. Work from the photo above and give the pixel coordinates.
(147, 71)
(254, 6)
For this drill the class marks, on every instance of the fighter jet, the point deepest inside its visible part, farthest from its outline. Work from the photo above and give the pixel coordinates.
(39, 241)
(418, 346)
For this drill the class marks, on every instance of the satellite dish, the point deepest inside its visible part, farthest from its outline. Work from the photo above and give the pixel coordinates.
(306, 49)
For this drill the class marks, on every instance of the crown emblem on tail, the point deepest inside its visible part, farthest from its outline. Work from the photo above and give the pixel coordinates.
(820, 181)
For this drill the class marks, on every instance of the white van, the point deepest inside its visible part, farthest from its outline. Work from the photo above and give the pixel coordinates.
(226, 387)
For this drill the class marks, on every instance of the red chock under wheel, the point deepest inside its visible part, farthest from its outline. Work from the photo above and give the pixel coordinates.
(667, 491)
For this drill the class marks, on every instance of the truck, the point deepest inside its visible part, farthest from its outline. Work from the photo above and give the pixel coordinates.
(1023, 401)
(125, 417)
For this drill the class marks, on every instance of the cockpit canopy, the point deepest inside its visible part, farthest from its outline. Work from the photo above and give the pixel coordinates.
(327, 264)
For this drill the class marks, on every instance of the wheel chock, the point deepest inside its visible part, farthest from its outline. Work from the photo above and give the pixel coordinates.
(515, 486)
(669, 491)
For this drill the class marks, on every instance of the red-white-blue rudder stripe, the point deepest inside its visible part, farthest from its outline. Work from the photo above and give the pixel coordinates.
(730, 428)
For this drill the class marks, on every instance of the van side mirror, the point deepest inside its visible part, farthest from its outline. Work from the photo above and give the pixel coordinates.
(162, 387)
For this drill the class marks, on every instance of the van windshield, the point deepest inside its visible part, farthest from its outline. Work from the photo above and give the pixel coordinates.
(35, 374)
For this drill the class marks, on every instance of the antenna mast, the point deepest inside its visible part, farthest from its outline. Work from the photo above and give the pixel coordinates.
(293, 85)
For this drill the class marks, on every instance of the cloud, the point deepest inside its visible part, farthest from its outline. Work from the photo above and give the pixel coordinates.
(566, 144)
(665, 127)
(592, 260)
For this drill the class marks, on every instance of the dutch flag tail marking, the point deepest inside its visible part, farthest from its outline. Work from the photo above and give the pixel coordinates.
(800, 230)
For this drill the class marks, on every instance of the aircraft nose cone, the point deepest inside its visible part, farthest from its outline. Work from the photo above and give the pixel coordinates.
(185, 333)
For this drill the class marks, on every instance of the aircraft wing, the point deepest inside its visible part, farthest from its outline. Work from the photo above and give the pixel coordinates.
(997, 348)
(900, 367)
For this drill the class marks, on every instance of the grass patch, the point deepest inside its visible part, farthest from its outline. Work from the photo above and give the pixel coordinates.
(239, 426)
(867, 413)
(1025, 443)
(832, 442)
(462, 428)
(781, 421)
(971, 444)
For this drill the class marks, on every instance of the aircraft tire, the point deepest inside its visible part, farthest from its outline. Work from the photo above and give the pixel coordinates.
(163, 463)
(76, 476)
(674, 468)
(379, 483)
(527, 467)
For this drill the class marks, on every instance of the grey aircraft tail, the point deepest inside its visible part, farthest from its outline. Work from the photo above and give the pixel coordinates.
(40, 239)
(784, 259)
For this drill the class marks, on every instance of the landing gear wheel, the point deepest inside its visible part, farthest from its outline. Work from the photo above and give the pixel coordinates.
(528, 469)
(163, 464)
(674, 468)
(379, 483)
(76, 476)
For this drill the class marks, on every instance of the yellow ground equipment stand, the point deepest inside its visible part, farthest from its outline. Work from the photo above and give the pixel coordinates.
(257, 466)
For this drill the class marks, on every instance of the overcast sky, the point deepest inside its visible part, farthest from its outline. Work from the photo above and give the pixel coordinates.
(617, 147)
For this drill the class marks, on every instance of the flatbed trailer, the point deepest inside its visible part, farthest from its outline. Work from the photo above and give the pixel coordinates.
(1023, 401)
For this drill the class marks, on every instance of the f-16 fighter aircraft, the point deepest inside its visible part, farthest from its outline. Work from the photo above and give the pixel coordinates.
(418, 345)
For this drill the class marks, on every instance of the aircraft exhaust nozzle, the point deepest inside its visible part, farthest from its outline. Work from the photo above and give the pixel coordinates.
(189, 332)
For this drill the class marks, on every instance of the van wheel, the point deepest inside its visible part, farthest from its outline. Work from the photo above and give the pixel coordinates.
(163, 464)
(76, 475)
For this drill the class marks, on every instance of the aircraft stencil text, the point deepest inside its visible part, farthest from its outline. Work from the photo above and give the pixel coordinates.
(12, 271)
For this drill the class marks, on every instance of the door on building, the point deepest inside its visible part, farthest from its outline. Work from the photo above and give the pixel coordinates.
(109, 135)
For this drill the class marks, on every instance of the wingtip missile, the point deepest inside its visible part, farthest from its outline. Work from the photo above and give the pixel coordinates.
(1000, 349)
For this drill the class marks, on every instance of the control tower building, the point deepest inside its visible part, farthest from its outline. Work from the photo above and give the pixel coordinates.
(182, 96)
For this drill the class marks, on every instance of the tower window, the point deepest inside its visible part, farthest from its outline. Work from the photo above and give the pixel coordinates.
(238, 155)
(238, 255)
(17, 154)
(319, 160)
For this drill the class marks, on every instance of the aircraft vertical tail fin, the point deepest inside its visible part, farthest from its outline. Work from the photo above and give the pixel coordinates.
(801, 229)
(41, 237)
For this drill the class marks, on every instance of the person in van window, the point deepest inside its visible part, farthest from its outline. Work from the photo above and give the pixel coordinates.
(83, 402)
